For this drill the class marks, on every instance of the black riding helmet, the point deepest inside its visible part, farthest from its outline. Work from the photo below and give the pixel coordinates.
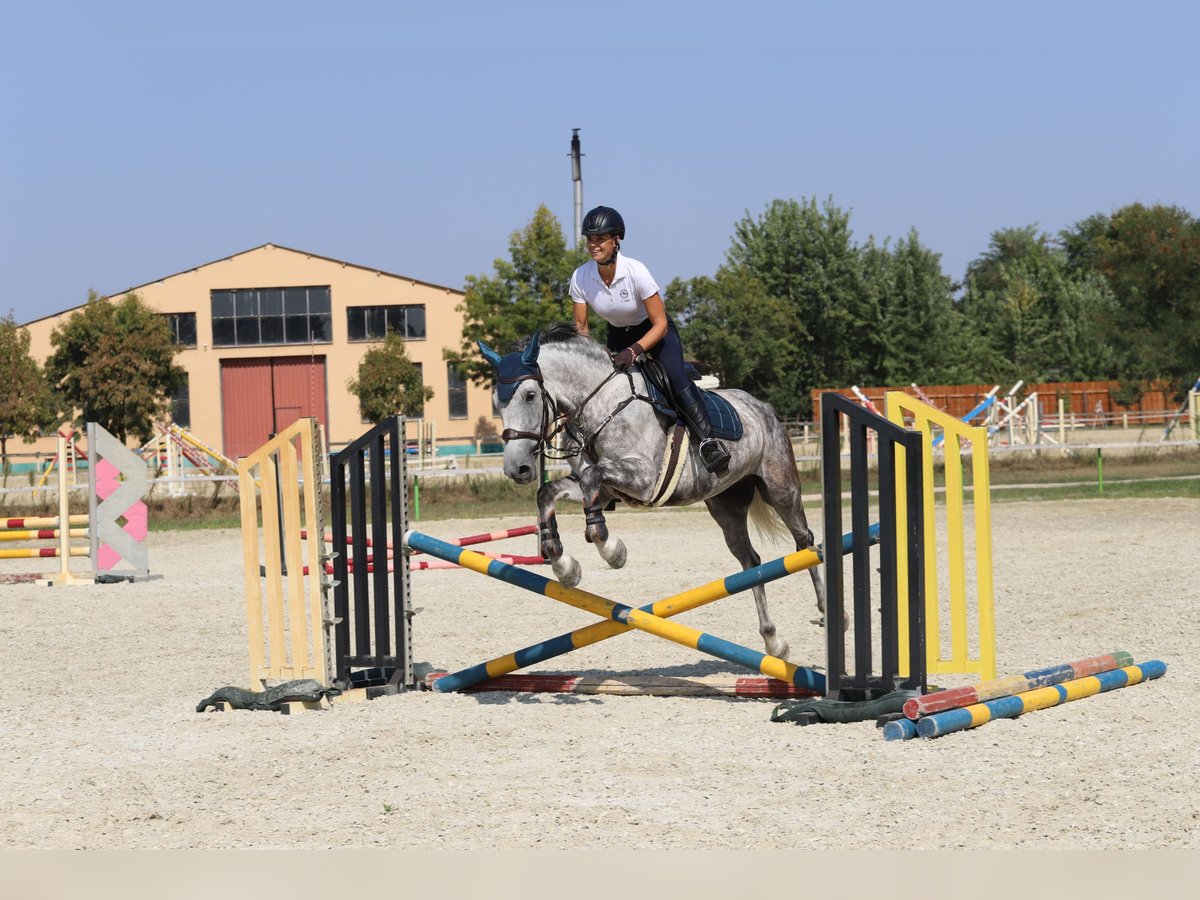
(604, 220)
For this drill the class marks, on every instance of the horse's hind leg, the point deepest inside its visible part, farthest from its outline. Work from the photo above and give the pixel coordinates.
(730, 509)
(780, 487)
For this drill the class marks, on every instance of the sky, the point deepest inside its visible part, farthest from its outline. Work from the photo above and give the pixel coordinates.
(138, 140)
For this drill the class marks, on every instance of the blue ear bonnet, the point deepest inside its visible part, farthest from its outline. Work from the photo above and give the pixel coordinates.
(511, 371)
(513, 368)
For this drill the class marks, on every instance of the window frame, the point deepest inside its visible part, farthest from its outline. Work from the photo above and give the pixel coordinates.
(245, 323)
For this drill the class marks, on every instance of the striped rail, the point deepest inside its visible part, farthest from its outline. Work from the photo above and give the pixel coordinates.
(621, 618)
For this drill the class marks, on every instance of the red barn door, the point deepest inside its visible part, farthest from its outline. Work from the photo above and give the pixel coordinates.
(261, 397)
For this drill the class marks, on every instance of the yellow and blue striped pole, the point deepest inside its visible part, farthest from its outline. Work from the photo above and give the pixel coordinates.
(1040, 698)
(665, 608)
(640, 619)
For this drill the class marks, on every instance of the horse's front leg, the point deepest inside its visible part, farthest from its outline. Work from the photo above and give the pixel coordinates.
(611, 549)
(566, 568)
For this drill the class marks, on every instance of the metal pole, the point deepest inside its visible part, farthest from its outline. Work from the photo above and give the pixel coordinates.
(577, 177)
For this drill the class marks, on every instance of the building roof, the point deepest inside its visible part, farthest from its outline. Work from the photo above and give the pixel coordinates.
(340, 262)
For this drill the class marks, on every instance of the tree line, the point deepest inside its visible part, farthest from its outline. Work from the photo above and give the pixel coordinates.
(798, 304)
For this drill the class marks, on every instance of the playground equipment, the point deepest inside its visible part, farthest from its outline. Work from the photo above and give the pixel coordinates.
(116, 520)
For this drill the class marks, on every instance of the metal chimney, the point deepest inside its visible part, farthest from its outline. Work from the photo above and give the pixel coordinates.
(577, 177)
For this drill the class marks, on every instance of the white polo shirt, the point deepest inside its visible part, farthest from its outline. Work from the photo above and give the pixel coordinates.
(624, 301)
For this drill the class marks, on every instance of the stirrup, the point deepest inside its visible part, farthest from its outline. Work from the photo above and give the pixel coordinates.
(714, 455)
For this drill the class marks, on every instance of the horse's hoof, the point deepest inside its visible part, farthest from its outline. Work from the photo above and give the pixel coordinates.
(616, 559)
(778, 648)
(596, 534)
(568, 571)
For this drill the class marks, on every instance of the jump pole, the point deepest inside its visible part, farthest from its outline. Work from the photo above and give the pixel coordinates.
(955, 698)
(670, 606)
(1042, 698)
(618, 612)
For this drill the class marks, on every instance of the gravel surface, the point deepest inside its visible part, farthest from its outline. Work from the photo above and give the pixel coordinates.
(101, 747)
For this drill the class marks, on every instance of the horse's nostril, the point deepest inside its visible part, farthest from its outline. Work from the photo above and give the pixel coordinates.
(524, 472)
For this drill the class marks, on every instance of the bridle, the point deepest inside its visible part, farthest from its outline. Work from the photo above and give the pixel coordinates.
(543, 436)
(555, 422)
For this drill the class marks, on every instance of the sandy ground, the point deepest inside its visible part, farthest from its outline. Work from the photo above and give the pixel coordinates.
(100, 746)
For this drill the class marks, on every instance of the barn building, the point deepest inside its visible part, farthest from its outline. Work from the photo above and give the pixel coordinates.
(273, 334)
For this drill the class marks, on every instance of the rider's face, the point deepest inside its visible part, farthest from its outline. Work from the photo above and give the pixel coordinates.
(601, 246)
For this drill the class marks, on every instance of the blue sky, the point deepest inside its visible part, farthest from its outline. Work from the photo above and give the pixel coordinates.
(141, 139)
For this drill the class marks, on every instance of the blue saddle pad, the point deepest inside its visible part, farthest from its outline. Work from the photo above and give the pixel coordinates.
(726, 423)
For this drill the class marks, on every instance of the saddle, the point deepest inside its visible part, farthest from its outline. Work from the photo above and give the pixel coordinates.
(726, 423)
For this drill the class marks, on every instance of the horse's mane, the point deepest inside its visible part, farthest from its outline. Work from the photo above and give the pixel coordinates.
(565, 333)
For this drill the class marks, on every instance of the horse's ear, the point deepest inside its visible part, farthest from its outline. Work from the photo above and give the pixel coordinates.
(489, 354)
(530, 354)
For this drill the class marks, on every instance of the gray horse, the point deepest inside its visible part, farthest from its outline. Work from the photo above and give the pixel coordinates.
(562, 390)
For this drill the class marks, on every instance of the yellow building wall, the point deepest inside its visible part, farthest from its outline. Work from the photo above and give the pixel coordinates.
(272, 266)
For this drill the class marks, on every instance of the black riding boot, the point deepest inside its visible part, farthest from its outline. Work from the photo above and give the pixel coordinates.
(712, 452)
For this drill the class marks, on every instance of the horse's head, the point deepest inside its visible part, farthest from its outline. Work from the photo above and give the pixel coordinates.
(523, 410)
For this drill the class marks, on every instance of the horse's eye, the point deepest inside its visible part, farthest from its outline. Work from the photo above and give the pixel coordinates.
(529, 395)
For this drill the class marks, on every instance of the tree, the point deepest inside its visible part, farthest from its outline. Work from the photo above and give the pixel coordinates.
(804, 255)
(1032, 315)
(27, 405)
(737, 331)
(114, 363)
(923, 333)
(1149, 256)
(527, 293)
(388, 382)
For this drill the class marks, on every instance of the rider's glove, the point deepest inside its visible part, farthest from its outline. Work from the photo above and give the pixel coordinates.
(626, 358)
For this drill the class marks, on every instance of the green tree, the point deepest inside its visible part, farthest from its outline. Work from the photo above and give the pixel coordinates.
(388, 382)
(27, 405)
(736, 331)
(1149, 256)
(923, 333)
(527, 293)
(1032, 315)
(804, 254)
(114, 363)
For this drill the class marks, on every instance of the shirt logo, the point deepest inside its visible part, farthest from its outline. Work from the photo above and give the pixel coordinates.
(624, 294)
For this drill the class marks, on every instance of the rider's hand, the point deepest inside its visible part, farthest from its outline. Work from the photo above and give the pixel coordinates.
(626, 358)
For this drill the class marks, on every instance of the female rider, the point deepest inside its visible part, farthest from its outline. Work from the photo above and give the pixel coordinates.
(623, 292)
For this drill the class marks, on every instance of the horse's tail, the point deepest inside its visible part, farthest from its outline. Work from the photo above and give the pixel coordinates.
(766, 521)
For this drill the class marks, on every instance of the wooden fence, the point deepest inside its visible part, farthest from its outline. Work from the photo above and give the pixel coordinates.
(1083, 398)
